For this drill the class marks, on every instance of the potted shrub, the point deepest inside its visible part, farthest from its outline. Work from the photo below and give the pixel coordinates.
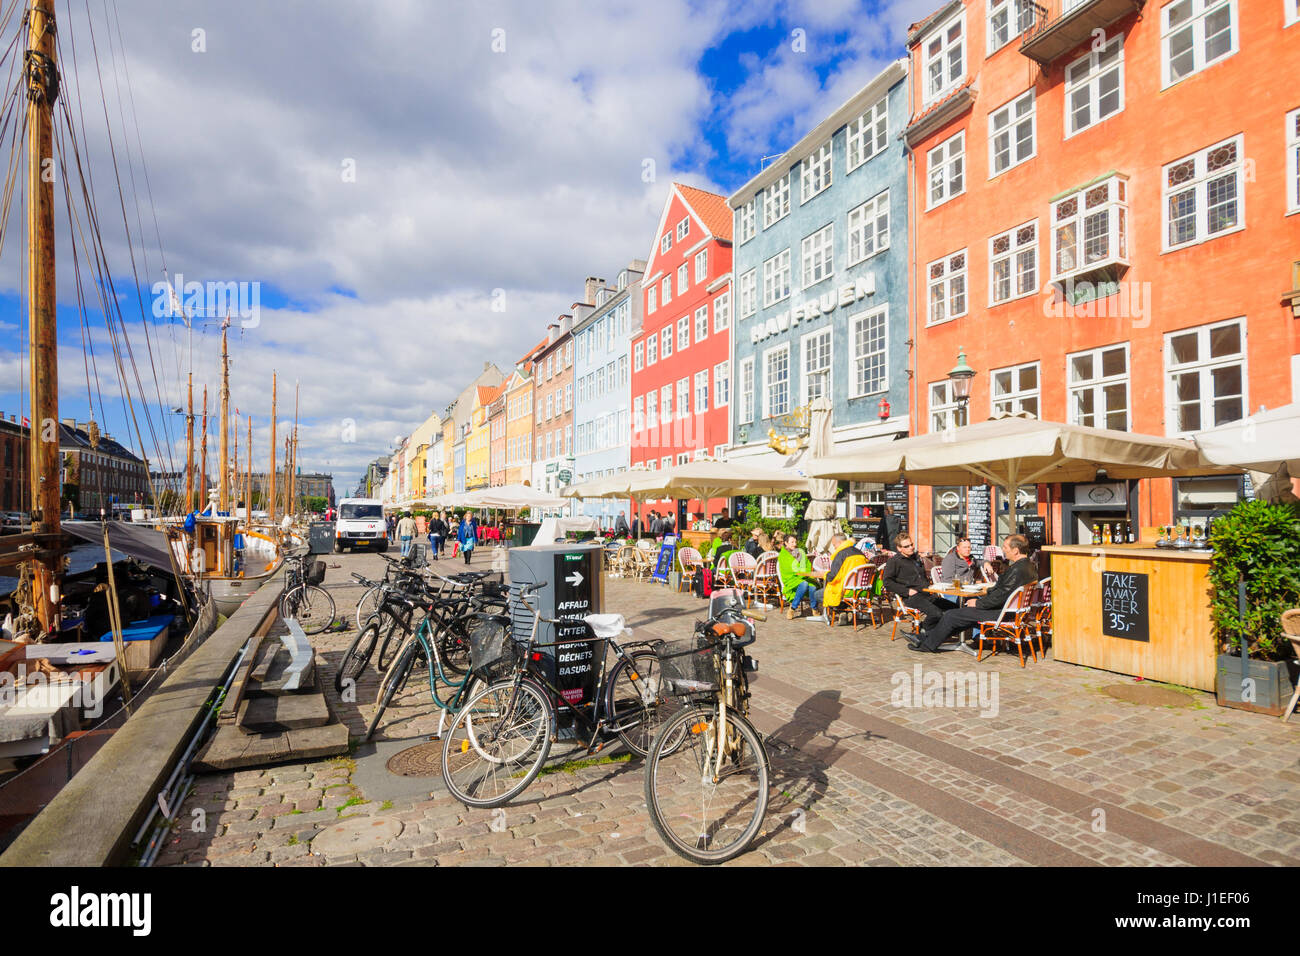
(1254, 577)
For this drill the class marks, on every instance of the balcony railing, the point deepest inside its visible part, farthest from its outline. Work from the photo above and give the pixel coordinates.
(1060, 26)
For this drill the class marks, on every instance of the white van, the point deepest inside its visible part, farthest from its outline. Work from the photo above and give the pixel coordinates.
(360, 524)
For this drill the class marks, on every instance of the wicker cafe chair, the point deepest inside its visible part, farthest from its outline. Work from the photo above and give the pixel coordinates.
(767, 581)
(821, 562)
(689, 563)
(858, 597)
(743, 567)
(1291, 628)
(908, 616)
(936, 574)
(623, 563)
(1041, 607)
(1013, 623)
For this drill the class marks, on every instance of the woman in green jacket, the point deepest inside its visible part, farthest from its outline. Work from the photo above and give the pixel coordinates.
(797, 580)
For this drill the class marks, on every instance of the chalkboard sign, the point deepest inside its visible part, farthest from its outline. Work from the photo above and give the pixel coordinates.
(1035, 530)
(864, 527)
(896, 497)
(979, 508)
(665, 562)
(576, 578)
(1124, 605)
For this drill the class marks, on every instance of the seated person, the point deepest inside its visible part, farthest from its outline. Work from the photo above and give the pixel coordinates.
(754, 546)
(723, 520)
(958, 565)
(797, 580)
(721, 547)
(1020, 571)
(905, 576)
(845, 559)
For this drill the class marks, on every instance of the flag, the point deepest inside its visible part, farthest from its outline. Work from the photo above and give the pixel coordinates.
(27, 422)
(225, 323)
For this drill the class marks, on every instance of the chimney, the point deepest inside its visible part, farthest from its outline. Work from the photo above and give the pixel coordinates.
(486, 366)
(71, 423)
(592, 286)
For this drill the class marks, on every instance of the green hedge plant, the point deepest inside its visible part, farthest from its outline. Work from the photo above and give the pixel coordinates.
(1259, 542)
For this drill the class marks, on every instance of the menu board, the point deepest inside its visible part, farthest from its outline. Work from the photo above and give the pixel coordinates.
(1035, 529)
(896, 496)
(665, 562)
(979, 516)
(864, 527)
(1124, 605)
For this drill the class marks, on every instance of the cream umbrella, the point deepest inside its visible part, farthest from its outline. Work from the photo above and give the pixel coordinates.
(821, 509)
(1264, 441)
(512, 497)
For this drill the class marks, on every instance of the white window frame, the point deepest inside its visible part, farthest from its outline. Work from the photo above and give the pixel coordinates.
(1021, 282)
(815, 172)
(949, 79)
(776, 201)
(769, 411)
(1014, 399)
(1293, 159)
(722, 384)
(952, 266)
(651, 349)
(1076, 225)
(774, 269)
(817, 256)
(868, 226)
(1090, 82)
(701, 266)
(701, 323)
(1204, 366)
(1096, 384)
(652, 409)
(666, 404)
(638, 414)
(823, 340)
(867, 135)
(947, 411)
(745, 414)
(857, 357)
(722, 312)
(651, 300)
(665, 242)
(1201, 10)
(683, 333)
(683, 275)
(1009, 120)
(638, 357)
(666, 289)
(1198, 186)
(684, 397)
(683, 228)
(746, 223)
(701, 392)
(749, 293)
(1018, 16)
(666, 341)
(1291, 10)
(943, 159)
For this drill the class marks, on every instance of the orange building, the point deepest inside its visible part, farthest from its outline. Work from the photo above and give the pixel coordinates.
(1106, 219)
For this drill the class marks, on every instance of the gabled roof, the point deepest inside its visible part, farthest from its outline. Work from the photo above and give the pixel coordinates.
(709, 210)
(487, 394)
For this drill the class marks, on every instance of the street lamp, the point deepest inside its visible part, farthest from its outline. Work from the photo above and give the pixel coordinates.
(960, 377)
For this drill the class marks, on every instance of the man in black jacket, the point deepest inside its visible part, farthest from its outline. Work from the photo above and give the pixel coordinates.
(905, 576)
(621, 529)
(1020, 571)
(888, 529)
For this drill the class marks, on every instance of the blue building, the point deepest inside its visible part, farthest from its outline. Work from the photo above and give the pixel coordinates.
(821, 281)
(602, 425)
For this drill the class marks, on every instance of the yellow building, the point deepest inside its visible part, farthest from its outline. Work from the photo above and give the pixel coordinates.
(478, 442)
(417, 456)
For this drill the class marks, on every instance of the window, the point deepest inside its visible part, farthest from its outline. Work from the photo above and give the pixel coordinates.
(947, 164)
(721, 384)
(945, 55)
(1013, 264)
(701, 392)
(599, 389)
(1205, 376)
(776, 200)
(568, 398)
(550, 445)
(1293, 159)
(666, 341)
(666, 403)
(701, 323)
(652, 410)
(815, 172)
(583, 343)
(568, 439)
(776, 507)
(1090, 228)
(867, 135)
(818, 261)
(776, 379)
(549, 407)
(869, 228)
(776, 278)
(1195, 34)
(683, 228)
(1016, 389)
(568, 354)
(947, 287)
(816, 347)
(748, 293)
(1203, 194)
(1292, 11)
(683, 333)
(622, 371)
(666, 242)
(945, 413)
(746, 390)
(701, 266)
(745, 221)
(1094, 87)
(722, 310)
(1098, 383)
(1011, 134)
(666, 462)
(684, 397)
(683, 457)
(666, 289)
(638, 357)
(870, 361)
(682, 275)
(650, 303)
(1007, 20)
(652, 349)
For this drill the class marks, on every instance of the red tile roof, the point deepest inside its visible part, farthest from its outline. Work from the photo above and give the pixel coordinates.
(487, 395)
(711, 208)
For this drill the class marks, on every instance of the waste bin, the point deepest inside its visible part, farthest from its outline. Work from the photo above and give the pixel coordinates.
(320, 537)
(575, 587)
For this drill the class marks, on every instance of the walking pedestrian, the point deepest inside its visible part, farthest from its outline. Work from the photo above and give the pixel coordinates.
(405, 532)
(468, 536)
(437, 534)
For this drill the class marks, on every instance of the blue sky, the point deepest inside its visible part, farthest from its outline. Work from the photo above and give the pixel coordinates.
(382, 178)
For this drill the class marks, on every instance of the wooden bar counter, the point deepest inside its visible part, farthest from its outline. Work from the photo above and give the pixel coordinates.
(1134, 609)
(699, 540)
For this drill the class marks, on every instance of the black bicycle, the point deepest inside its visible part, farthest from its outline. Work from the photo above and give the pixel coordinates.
(304, 599)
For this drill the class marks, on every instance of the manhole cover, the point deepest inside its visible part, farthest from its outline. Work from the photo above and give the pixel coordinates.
(422, 760)
(1152, 695)
(355, 836)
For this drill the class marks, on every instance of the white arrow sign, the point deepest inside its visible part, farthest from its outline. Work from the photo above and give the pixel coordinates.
(575, 579)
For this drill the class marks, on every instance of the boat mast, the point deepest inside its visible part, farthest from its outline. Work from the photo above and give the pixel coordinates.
(203, 461)
(189, 448)
(293, 473)
(223, 479)
(271, 475)
(43, 435)
(234, 471)
(248, 485)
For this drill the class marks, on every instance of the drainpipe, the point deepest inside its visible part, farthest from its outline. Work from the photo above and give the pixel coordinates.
(913, 418)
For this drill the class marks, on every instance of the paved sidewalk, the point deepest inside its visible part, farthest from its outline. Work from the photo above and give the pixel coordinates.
(1041, 765)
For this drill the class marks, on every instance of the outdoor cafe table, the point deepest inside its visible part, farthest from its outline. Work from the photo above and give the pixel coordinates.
(965, 593)
(1134, 609)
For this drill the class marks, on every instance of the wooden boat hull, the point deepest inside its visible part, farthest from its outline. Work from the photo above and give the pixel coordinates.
(228, 594)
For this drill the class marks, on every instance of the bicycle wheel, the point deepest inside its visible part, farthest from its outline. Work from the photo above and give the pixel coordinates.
(315, 609)
(368, 605)
(393, 635)
(702, 814)
(357, 656)
(453, 645)
(637, 708)
(393, 681)
(494, 750)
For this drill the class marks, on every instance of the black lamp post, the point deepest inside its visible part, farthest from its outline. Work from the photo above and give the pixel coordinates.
(960, 377)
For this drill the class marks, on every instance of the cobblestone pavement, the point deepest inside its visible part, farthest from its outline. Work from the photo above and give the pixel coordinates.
(1048, 768)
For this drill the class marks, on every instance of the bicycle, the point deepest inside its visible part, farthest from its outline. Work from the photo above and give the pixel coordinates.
(398, 570)
(501, 737)
(303, 598)
(706, 783)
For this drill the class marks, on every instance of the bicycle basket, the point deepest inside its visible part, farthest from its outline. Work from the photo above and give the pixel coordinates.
(493, 651)
(493, 588)
(316, 573)
(689, 666)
